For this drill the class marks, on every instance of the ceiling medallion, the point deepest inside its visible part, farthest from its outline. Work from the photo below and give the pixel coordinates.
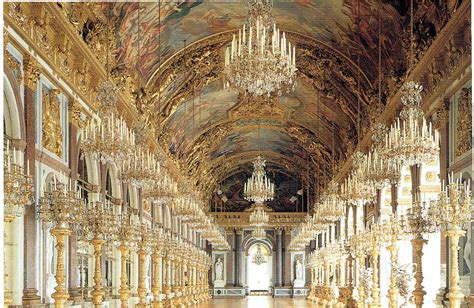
(260, 60)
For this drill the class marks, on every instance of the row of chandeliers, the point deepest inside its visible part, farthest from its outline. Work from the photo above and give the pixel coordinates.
(110, 141)
(411, 140)
(260, 61)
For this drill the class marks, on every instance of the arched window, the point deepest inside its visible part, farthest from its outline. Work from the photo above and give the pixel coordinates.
(83, 179)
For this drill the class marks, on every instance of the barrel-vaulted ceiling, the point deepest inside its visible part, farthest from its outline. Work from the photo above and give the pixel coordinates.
(212, 132)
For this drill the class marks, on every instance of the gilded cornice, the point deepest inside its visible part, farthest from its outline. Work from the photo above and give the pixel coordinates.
(444, 60)
(231, 220)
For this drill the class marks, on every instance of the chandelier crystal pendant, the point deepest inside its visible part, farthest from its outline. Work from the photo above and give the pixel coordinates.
(258, 187)
(260, 60)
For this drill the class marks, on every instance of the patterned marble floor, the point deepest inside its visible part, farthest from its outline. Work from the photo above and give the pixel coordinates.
(257, 302)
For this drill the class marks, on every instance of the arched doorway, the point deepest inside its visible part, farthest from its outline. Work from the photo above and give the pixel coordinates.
(259, 268)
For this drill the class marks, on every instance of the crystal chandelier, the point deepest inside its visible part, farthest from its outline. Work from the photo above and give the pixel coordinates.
(355, 189)
(17, 184)
(259, 216)
(411, 141)
(162, 189)
(260, 60)
(108, 139)
(259, 233)
(258, 258)
(141, 168)
(258, 187)
(331, 208)
(380, 172)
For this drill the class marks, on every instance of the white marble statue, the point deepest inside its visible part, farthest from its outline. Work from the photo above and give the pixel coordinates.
(219, 266)
(299, 270)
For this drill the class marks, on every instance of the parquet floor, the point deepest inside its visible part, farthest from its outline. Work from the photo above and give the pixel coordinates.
(257, 302)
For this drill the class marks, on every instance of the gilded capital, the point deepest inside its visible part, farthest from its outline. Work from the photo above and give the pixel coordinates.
(32, 72)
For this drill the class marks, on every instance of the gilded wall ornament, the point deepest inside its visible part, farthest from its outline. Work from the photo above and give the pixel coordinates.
(75, 114)
(52, 134)
(464, 122)
(31, 71)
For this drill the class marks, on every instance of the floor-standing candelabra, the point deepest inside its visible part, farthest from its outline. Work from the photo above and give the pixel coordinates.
(391, 234)
(18, 193)
(102, 225)
(358, 245)
(144, 245)
(176, 277)
(419, 221)
(453, 212)
(127, 235)
(62, 207)
(168, 250)
(156, 257)
(374, 239)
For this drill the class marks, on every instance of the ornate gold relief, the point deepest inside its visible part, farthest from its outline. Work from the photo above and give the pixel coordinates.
(31, 71)
(464, 122)
(75, 113)
(52, 136)
(257, 107)
(40, 19)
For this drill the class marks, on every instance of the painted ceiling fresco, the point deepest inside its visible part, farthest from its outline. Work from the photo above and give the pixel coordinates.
(205, 126)
(329, 21)
(289, 195)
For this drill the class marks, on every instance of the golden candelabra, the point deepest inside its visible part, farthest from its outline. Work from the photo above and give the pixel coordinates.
(157, 246)
(144, 245)
(61, 207)
(176, 279)
(100, 225)
(18, 193)
(453, 213)
(391, 234)
(358, 246)
(419, 221)
(374, 241)
(127, 235)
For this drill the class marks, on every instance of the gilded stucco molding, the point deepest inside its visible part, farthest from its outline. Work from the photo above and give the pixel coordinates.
(50, 35)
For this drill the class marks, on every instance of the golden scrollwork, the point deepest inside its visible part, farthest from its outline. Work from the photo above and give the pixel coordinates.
(464, 122)
(52, 133)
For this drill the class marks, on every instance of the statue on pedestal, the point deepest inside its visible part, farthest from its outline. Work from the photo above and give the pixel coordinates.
(219, 273)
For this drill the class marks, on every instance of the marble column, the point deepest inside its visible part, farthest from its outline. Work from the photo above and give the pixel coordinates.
(279, 265)
(31, 235)
(238, 263)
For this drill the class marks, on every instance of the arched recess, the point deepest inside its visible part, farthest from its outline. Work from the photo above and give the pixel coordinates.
(259, 271)
(14, 125)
